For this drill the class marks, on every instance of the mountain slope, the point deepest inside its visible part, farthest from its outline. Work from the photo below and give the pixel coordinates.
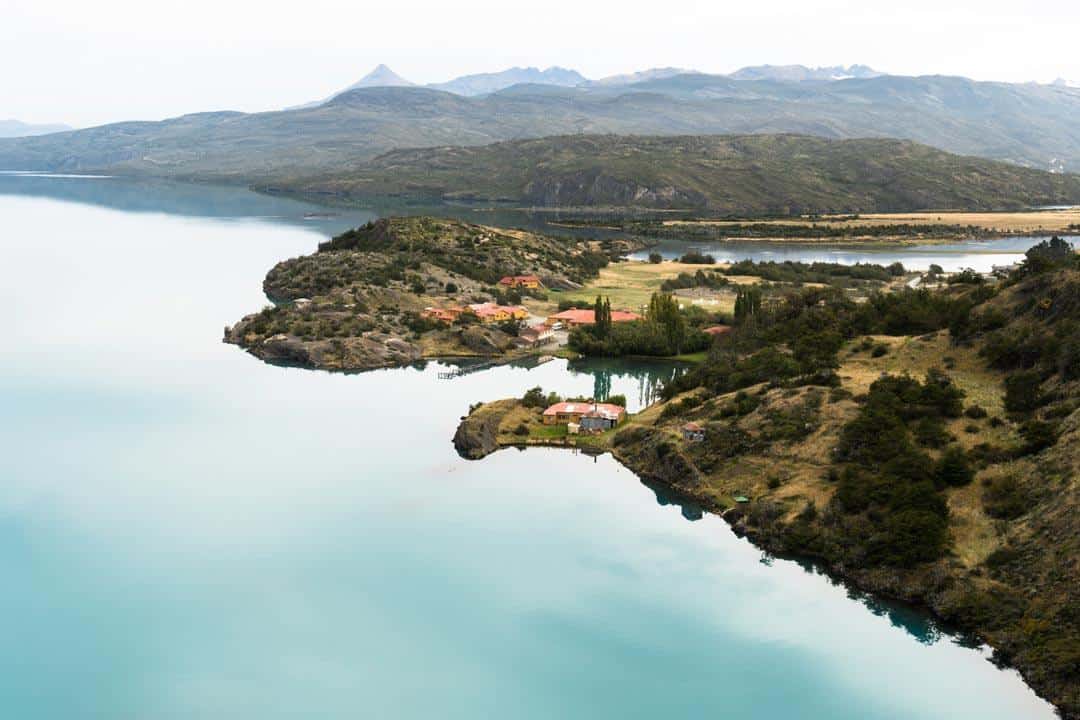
(1024, 124)
(748, 174)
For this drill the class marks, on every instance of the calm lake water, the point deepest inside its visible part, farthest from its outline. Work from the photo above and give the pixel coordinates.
(980, 255)
(186, 532)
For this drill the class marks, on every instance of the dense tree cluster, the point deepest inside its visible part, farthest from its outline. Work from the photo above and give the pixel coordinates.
(888, 499)
(666, 330)
(817, 272)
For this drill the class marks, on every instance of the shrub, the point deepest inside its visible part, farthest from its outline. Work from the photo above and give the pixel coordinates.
(1022, 391)
(534, 397)
(954, 469)
(975, 412)
(880, 350)
(930, 431)
(1004, 499)
(1001, 557)
(910, 537)
(1038, 435)
(695, 257)
(656, 258)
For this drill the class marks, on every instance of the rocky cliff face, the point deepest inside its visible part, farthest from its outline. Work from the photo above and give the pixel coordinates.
(477, 435)
(368, 352)
(595, 188)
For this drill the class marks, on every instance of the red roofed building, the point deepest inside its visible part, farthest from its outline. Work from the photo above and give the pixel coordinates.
(536, 334)
(525, 281)
(575, 317)
(447, 315)
(718, 330)
(591, 416)
(491, 313)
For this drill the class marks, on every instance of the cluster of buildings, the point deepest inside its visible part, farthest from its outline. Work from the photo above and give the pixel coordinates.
(584, 417)
(528, 336)
(488, 312)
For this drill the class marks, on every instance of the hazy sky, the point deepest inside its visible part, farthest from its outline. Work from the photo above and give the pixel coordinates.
(87, 62)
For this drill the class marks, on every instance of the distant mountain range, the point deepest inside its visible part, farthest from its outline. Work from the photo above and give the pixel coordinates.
(801, 73)
(471, 85)
(1037, 126)
(745, 175)
(484, 83)
(15, 128)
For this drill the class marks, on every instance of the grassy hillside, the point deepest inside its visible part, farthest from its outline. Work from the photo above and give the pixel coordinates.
(923, 444)
(360, 296)
(1025, 124)
(746, 175)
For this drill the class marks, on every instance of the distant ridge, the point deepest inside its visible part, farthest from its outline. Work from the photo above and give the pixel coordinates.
(801, 73)
(483, 83)
(486, 83)
(641, 76)
(15, 128)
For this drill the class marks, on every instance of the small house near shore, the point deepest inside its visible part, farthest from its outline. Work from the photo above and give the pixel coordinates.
(717, 330)
(589, 416)
(537, 334)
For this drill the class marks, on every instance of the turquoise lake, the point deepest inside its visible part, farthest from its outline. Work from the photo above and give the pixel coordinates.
(186, 532)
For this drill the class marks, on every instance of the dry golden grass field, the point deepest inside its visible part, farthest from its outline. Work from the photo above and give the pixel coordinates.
(1032, 221)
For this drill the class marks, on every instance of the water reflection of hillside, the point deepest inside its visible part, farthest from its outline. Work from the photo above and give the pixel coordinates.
(147, 195)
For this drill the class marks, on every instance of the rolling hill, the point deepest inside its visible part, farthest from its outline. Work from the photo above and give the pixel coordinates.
(747, 175)
(1028, 125)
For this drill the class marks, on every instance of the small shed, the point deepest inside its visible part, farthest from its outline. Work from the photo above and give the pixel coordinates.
(692, 432)
(596, 421)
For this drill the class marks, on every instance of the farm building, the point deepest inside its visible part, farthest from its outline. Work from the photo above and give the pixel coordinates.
(536, 334)
(446, 315)
(692, 432)
(589, 416)
(521, 281)
(575, 317)
(490, 312)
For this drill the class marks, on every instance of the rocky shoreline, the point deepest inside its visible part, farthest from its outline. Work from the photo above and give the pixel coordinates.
(933, 588)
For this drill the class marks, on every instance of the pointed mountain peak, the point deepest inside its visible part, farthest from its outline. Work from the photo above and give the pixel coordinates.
(381, 76)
